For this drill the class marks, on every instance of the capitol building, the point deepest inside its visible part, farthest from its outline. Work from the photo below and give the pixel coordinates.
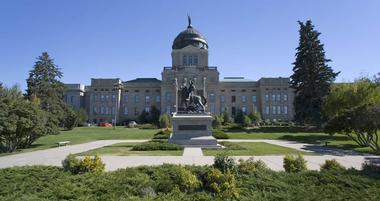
(107, 98)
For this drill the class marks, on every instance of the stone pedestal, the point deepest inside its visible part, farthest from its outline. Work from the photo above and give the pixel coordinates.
(193, 130)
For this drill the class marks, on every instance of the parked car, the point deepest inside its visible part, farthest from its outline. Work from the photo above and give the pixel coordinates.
(132, 124)
(105, 124)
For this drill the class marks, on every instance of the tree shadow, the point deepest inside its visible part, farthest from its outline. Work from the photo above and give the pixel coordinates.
(313, 139)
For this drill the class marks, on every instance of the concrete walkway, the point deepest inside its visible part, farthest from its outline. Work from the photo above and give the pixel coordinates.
(191, 156)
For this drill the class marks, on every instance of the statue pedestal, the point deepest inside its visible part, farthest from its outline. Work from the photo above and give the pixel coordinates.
(193, 130)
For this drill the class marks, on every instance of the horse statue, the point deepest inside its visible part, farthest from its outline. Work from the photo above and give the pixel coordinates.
(192, 102)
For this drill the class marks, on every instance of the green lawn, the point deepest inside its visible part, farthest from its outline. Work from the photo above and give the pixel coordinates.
(337, 140)
(253, 148)
(124, 149)
(87, 134)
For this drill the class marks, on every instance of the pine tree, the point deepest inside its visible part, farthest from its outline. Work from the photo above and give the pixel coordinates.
(312, 76)
(44, 85)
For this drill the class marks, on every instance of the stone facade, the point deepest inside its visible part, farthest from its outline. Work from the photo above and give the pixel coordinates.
(272, 97)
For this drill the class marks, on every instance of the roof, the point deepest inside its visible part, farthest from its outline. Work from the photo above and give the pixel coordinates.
(189, 36)
(144, 80)
(235, 79)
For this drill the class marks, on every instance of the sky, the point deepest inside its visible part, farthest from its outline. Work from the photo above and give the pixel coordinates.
(129, 39)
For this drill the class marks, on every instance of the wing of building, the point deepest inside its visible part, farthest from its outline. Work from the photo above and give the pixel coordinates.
(272, 97)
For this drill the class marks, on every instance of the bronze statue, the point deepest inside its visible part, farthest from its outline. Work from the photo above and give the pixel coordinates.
(191, 102)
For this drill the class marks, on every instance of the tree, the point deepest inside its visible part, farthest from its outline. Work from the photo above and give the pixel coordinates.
(154, 115)
(143, 117)
(360, 123)
(82, 116)
(216, 122)
(246, 121)
(43, 84)
(165, 121)
(255, 117)
(225, 117)
(70, 119)
(21, 121)
(239, 118)
(312, 76)
(345, 96)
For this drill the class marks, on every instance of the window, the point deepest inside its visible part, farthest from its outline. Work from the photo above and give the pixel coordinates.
(147, 109)
(266, 97)
(147, 99)
(222, 109)
(158, 99)
(195, 60)
(184, 60)
(254, 99)
(168, 96)
(233, 99)
(113, 110)
(95, 98)
(71, 99)
(243, 99)
(102, 98)
(168, 108)
(113, 98)
(266, 109)
(126, 98)
(273, 97)
(125, 110)
(222, 98)
(190, 62)
(233, 111)
(107, 110)
(285, 98)
(278, 109)
(212, 97)
(285, 109)
(136, 111)
(107, 98)
(278, 97)
(137, 98)
(212, 108)
(273, 109)
(244, 110)
(95, 110)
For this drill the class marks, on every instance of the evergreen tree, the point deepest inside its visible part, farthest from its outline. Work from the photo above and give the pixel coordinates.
(312, 76)
(44, 85)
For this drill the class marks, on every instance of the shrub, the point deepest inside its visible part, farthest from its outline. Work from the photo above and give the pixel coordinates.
(370, 166)
(224, 162)
(164, 121)
(332, 165)
(88, 164)
(162, 134)
(219, 134)
(217, 122)
(222, 185)
(147, 126)
(186, 180)
(250, 165)
(156, 145)
(246, 121)
(294, 164)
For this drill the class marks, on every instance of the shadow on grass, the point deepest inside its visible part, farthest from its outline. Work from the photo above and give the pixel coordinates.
(313, 139)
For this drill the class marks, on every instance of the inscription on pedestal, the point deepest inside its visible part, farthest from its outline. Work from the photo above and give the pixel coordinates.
(192, 127)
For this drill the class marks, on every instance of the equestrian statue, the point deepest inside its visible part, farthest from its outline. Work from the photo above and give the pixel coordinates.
(190, 102)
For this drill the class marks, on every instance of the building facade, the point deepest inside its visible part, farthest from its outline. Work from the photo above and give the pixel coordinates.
(107, 99)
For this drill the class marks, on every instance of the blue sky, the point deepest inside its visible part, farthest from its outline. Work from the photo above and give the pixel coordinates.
(129, 39)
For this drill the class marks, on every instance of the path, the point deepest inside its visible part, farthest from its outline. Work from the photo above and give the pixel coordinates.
(192, 156)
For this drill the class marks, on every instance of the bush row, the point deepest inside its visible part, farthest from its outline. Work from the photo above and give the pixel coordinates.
(156, 145)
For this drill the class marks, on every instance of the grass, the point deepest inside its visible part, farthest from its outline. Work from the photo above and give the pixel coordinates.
(337, 141)
(87, 134)
(253, 148)
(124, 149)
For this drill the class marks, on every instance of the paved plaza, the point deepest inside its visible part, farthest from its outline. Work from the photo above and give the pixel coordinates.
(191, 156)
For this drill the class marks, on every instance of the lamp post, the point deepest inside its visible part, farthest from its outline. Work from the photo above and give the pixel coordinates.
(118, 86)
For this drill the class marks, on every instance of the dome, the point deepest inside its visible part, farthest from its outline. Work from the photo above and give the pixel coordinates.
(190, 36)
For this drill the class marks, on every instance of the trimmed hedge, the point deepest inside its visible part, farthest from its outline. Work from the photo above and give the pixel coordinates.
(162, 134)
(219, 134)
(156, 145)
